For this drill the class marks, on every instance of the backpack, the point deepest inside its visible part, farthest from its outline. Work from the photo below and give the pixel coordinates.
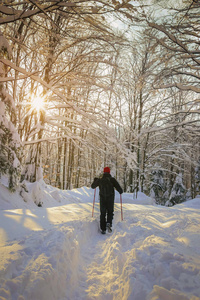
(106, 187)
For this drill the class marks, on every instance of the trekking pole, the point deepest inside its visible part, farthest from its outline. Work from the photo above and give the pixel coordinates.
(121, 207)
(93, 203)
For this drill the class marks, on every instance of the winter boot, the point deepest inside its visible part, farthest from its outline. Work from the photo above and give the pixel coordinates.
(109, 227)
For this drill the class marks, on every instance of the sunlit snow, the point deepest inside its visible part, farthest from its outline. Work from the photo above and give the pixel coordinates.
(56, 251)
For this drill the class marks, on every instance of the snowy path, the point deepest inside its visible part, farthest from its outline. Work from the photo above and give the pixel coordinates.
(139, 257)
(153, 254)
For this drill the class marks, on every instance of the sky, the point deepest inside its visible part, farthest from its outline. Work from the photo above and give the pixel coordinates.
(57, 252)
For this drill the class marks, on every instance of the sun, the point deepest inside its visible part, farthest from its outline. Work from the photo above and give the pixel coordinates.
(37, 103)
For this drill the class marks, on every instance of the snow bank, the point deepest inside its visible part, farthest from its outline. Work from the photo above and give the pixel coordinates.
(195, 203)
(40, 194)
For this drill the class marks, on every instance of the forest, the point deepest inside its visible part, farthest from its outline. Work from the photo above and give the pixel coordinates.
(87, 84)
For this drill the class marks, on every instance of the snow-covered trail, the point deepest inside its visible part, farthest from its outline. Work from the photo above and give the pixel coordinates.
(140, 260)
(58, 254)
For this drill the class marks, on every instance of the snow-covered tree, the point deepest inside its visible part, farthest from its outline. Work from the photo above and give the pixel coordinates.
(178, 192)
(100, 91)
(197, 177)
(9, 138)
(158, 185)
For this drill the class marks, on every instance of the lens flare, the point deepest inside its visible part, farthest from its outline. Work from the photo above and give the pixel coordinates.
(37, 103)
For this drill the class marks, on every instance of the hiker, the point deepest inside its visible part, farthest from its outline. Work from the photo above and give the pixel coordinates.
(106, 186)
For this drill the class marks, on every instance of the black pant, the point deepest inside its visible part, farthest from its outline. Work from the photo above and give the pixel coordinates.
(106, 210)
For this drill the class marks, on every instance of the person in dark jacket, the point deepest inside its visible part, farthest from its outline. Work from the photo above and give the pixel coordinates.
(107, 185)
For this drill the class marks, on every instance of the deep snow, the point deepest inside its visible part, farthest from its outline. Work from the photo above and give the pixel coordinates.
(56, 252)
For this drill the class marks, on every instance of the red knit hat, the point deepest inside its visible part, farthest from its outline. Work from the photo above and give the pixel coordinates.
(106, 170)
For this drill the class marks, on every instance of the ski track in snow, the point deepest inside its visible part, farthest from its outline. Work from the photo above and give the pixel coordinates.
(153, 254)
(58, 252)
(137, 254)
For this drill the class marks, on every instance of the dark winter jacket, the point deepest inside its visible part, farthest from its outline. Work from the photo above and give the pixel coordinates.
(115, 185)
